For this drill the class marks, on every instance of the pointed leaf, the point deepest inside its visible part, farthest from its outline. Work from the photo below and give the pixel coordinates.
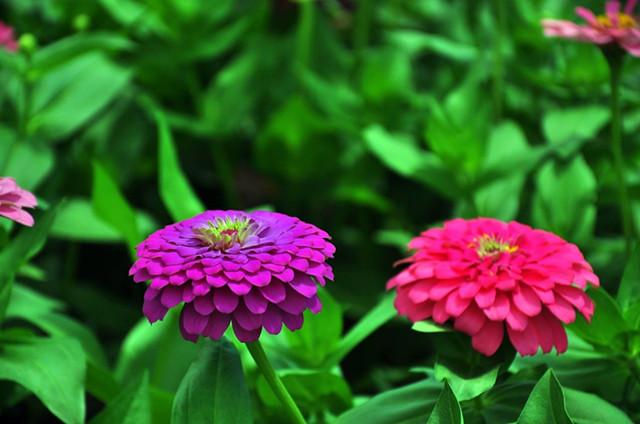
(447, 409)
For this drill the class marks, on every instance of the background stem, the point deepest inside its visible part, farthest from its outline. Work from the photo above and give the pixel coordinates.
(258, 354)
(615, 67)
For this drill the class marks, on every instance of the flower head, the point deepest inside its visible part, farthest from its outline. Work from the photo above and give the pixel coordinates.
(13, 199)
(616, 26)
(7, 39)
(484, 274)
(252, 270)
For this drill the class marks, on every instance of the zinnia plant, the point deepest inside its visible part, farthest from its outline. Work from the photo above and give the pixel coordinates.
(7, 39)
(488, 276)
(13, 200)
(252, 271)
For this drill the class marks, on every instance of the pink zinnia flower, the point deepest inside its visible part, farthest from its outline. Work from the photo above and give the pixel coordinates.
(484, 274)
(254, 270)
(6, 38)
(13, 199)
(615, 27)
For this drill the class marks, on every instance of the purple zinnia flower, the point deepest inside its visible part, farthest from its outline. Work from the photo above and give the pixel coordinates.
(251, 269)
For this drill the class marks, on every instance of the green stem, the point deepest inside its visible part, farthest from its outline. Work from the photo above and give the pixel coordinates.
(305, 33)
(259, 356)
(615, 67)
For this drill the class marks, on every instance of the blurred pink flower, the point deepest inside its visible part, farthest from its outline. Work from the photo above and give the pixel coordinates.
(13, 199)
(614, 27)
(485, 274)
(7, 39)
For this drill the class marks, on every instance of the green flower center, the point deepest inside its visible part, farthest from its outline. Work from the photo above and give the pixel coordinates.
(224, 233)
(487, 245)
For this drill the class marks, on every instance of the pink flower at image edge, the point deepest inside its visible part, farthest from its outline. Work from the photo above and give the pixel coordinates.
(12, 201)
(7, 39)
(614, 27)
(486, 275)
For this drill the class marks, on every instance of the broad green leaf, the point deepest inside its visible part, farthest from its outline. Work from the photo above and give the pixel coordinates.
(213, 389)
(585, 408)
(158, 348)
(564, 200)
(410, 404)
(447, 409)
(386, 74)
(26, 245)
(399, 154)
(466, 388)
(130, 406)
(320, 334)
(417, 41)
(546, 403)
(176, 193)
(504, 402)
(78, 221)
(629, 290)
(110, 205)
(44, 313)
(501, 199)
(53, 369)
(607, 321)
(382, 313)
(578, 124)
(29, 163)
(70, 95)
(313, 392)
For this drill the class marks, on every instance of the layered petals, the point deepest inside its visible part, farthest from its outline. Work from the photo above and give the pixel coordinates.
(14, 199)
(483, 275)
(248, 270)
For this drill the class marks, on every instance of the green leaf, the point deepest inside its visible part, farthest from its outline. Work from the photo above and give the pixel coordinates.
(320, 334)
(131, 406)
(313, 392)
(70, 95)
(110, 205)
(467, 388)
(411, 404)
(53, 369)
(176, 193)
(19, 251)
(29, 163)
(501, 198)
(447, 409)
(606, 324)
(629, 290)
(546, 403)
(213, 389)
(43, 312)
(401, 155)
(158, 348)
(585, 408)
(382, 313)
(578, 124)
(416, 42)
(78, 221)
(564, 200)
(429, 327)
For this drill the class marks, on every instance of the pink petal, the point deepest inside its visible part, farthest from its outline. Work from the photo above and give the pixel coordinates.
(526, 300)
(525, 342)
(470, 321)
(562, 310)
(488, 339)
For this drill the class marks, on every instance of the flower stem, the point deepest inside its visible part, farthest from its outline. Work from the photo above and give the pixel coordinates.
(258, 354)
(615, 67)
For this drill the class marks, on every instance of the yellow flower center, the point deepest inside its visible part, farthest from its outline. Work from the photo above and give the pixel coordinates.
(624, 21)
(487, 245)
(224, 233)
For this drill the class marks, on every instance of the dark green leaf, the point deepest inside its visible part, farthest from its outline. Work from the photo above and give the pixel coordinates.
(213, 390)
(466, 388)
(131, 406)
(585, 408)
(447, 409)
(546, 403)
(629, 290)
(607, 321)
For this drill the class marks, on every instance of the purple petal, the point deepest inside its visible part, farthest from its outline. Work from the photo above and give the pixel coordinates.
(154, 310)
(217, 325)
(192, 321)
(293, 322)
(255, 302)
(171, 296)
(294, 303)
(274, 292)
(272, 320)
(314, 305)
(247, 319)
(204, 305)
(304, 285)
(260, 279)
(245, 336)
(286, 275)
(224, 300)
